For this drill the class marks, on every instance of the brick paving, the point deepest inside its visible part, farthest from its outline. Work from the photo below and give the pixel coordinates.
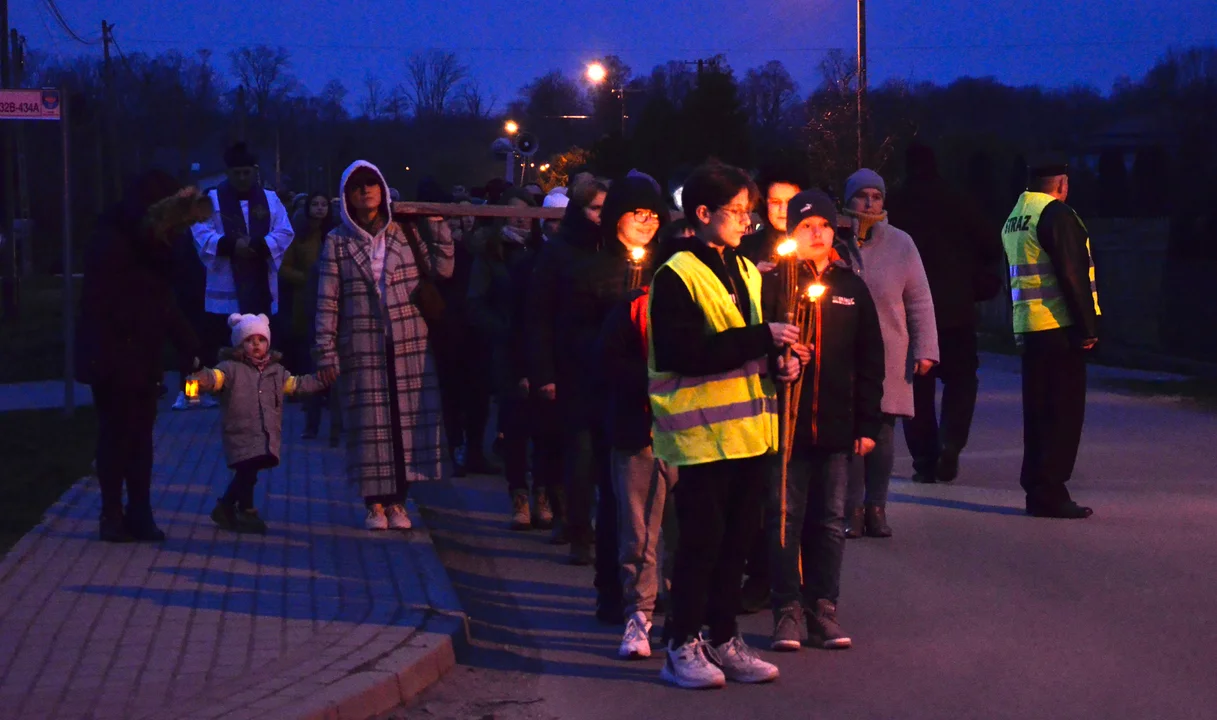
(320, 618)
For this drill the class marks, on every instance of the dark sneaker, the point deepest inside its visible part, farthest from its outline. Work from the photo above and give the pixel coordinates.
(225, 516)
(788, 629)
(142, 527)
(1068, 510)
(113, 529)
(876, 522)
(823, 630)
(250, 521)
(948, 464)
(521, 515)
(924, 478)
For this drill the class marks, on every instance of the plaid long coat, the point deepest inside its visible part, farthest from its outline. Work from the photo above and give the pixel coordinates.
(353, 326)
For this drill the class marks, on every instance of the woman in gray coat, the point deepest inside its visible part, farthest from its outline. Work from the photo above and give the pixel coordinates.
(372, 336)
(888, 262)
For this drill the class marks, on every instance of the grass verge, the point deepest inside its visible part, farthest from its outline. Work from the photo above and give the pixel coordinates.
(43, 453)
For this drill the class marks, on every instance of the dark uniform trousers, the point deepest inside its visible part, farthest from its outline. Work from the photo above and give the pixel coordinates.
(1054, 408)
(923, 433)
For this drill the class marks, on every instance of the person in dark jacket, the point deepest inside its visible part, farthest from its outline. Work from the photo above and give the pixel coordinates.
(127, 310)
(632, 486)
(461, 357)
(494, 306)
(838, 417)
(962, 255)
(720, 440)
(552, 369)
(778, 184)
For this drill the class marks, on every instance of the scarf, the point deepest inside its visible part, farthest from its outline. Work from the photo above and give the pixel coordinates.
(258, 365)
(249, 274)
(863, 222)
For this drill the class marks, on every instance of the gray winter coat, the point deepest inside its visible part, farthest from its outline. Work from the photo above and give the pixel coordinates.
(357, 317)
(252, 405)
(891, 267)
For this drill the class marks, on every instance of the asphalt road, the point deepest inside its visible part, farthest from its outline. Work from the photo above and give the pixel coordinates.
(972, 610)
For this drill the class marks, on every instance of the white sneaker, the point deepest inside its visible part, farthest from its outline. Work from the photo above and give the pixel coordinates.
(688, 667)
(636, 643)
(741, 664)
(208, 401)
(398, 519)
(182, 402)
(376, 519)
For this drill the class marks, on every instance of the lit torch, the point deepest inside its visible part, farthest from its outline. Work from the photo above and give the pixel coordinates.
(788, 275)
(633, 273)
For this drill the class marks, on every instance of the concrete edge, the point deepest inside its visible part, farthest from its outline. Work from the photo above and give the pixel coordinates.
(411, 668)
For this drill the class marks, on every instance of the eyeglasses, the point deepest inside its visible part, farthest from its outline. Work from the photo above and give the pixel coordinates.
(739, 215)
(646, 216)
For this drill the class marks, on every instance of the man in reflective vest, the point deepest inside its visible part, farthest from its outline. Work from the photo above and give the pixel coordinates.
(1056, 314)
(711, 364)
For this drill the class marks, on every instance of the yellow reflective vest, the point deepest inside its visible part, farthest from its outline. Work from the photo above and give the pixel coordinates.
(726, 416)
(1035, 290)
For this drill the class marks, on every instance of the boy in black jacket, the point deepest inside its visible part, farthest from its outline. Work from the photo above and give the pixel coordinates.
(838, 416)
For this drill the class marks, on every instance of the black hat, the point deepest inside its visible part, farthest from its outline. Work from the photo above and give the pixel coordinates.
(810, 203)
(1047, 165)
(239, 156)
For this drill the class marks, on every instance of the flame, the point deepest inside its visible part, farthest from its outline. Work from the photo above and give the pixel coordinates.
(637, 254)
(815, 290)
(192, 389)
(787, 248)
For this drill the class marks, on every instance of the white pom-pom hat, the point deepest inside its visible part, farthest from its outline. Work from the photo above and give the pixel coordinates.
(244, 326)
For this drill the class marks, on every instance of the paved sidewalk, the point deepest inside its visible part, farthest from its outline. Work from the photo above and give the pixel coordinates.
(320, 618)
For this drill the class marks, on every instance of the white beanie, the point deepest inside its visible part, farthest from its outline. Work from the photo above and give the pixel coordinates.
(244, 326)
(556, 200)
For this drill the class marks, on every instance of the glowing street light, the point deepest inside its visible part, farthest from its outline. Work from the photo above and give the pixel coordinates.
(512, 127)
(597, 73)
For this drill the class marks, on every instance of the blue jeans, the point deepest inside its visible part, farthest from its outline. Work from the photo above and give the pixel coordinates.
(815, 528)
(870, 476)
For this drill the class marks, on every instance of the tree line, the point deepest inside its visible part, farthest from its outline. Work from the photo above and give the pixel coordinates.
(1148, 139)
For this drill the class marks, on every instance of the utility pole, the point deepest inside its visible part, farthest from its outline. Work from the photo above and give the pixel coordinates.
(861, 82)
(8, 286)
(23, 185)
(108, 109)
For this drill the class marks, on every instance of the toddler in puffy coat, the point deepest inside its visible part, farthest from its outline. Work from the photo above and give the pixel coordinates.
(251, 384)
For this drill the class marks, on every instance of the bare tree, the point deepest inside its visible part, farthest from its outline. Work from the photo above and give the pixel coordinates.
(333, 98)
(433, 77)
(374, 96)
(769, 92)
(397, 103)
(264, 71)
(471, 101)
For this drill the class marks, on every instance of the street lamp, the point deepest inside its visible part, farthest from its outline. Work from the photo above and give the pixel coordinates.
(512, 127)
(596, 73)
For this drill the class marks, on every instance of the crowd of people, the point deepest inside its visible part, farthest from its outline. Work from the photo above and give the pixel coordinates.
(639, 353)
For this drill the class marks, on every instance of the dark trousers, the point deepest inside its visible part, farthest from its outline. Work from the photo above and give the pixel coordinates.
(1054, 408)
(240, 491)
(815, 528)
(125, 420)
(464, 397)
(718, 510)
(923, 433)
(399, 447)
(524, 420)
(607, 582)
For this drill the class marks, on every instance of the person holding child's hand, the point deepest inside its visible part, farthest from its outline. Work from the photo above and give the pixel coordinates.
(252, 385)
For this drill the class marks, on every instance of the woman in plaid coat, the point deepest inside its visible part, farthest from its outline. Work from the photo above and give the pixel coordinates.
(371, 335)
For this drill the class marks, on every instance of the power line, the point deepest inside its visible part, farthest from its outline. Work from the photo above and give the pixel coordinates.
(63, 23)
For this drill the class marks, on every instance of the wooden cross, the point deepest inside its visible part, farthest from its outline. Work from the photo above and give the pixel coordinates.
(481, 211)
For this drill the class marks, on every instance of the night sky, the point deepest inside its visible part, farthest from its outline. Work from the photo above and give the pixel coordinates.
(506, 44)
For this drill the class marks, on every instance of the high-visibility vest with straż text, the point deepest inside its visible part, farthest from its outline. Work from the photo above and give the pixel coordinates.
(1039, 303)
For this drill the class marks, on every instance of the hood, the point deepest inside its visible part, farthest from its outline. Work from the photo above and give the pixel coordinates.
(626, 196)
(344, 213)
(577, 230)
